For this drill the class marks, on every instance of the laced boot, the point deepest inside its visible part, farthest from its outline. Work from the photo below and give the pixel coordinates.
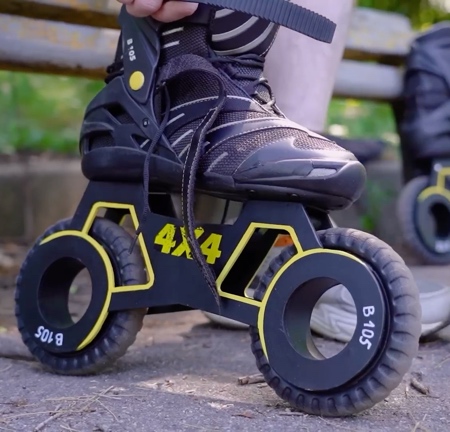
(187, 110)
(248, 150)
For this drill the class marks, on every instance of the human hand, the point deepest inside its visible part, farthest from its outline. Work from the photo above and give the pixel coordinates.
(160, 10)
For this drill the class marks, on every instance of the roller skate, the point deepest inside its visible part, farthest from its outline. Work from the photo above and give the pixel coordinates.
(423, 124)
(178, 122)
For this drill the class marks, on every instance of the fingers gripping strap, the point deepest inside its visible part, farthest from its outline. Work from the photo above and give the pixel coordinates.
(283, 13)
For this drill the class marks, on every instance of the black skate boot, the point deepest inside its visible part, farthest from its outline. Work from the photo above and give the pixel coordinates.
(183, 113)
(175, 93)
(423, 121)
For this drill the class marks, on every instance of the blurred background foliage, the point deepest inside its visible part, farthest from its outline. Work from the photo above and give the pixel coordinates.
(43, 113)
(421, 12)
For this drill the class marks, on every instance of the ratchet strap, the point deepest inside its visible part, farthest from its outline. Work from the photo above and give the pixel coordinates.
(283, 13)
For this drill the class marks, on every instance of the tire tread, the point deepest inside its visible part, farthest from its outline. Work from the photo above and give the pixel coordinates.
(387, 372)
(120, 329)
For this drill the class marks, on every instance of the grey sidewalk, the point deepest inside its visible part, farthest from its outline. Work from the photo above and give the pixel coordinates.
(181, 375)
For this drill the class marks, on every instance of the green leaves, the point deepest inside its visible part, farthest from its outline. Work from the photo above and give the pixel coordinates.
(42, 113)
(421, 12)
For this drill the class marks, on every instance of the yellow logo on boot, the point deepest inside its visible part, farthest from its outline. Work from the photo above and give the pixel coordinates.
(137, 80)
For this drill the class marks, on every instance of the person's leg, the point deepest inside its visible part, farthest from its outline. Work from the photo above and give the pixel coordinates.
(304, 84)
(311, 68)
(304, 88)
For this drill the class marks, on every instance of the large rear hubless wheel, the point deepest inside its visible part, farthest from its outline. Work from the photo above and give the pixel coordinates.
(425, 226)
(398, 342)
(118, 331)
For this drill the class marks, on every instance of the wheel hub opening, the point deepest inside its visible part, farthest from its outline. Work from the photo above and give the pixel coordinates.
(65, 293)
(320, 307)
(334, 315)
(441, 218)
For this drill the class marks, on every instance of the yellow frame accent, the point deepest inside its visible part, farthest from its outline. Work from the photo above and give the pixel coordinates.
(111, 289)
(110, 277)
(439, 188)
(148, 266)
(301, 254)
(237, 253)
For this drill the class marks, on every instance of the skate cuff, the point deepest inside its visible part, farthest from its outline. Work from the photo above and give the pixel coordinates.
(283, 13)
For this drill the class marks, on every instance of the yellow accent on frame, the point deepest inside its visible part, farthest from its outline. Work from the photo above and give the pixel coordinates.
(112, 289)
(148, 266)
(238, 250)
(439, 188)
(84, 234)
(110, 278)
(301, 254)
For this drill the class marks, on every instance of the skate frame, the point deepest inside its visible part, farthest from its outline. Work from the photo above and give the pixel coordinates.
(280, 310)
(234, 260)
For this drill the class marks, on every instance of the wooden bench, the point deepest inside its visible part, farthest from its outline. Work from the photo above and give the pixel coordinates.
(78, 38)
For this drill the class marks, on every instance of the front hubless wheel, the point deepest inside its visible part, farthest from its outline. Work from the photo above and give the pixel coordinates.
(401, 337)
(119, 329)
(425, 226)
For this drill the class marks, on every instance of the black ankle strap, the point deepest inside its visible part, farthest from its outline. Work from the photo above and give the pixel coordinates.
(283, 13)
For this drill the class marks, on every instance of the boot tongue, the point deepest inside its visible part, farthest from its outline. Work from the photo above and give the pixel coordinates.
(182, 40)
(188, 36)
(238, 35)
(252, 75)
(193, 36)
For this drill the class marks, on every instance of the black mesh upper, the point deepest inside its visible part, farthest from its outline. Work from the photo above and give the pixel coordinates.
(189, 93)
(237, 78)
(238, 149)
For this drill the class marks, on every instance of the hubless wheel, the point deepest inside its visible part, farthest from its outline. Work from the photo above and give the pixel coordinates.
(50, 304)
(425, 223)
(327, 392)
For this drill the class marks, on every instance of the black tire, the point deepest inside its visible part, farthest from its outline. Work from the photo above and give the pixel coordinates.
(406, 214)
(386, 372)
(120, 328)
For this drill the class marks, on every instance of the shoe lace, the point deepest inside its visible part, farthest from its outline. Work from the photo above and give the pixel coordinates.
(192, 163)
(191, 167)
(239, 68)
